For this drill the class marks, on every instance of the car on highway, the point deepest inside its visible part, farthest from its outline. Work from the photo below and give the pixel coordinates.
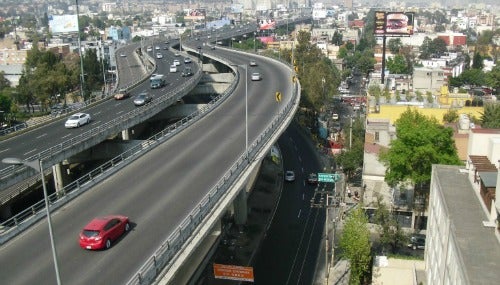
(142, 99)
(253, 63)
(187, 60)
(149, 48)
(123, 55)
(177, 54)
(157, 47)
(187, 72)
(256, 76)
(289, 176)
(177, 62)
(122, 94)
(159, 55)
(101, 232)
(173, 68)
(77, 120)
(312, 179)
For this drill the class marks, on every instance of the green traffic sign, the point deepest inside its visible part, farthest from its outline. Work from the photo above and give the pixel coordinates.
(328, 177)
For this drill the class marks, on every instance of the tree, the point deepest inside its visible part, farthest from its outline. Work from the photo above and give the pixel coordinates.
(477, 61)
(451, 116)
(395, 45)
(352, 159)
(397, 65)
(391, 234)
(337, 38)
(490, 118)
(493, 78)
(421, 141)
(355, 245)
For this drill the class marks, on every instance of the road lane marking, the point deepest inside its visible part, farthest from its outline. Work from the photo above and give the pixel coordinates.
(300, 211)
(4, 150)
(68, 135)
(26, 153)
(41, 136)
(97, 113)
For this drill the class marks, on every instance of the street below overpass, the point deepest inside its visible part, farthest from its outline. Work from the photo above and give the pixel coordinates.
(288, 253)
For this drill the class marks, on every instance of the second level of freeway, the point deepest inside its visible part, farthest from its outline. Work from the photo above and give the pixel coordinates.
(157, 190)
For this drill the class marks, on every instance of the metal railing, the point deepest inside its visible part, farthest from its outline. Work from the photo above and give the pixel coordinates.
(26, 218)
(159, 103)
(172, 246)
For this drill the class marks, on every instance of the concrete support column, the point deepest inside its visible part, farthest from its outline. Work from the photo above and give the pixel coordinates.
(125, 135)
(58, 176)
(241, 208)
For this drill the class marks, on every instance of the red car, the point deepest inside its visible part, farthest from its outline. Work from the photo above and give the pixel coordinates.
(101, 232)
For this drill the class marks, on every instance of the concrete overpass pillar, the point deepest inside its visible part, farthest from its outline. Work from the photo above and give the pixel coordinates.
(58, 176)
(241, 208)
(126, 134)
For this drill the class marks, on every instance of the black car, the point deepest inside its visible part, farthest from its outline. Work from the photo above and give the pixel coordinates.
(312, 179)
(417, 242)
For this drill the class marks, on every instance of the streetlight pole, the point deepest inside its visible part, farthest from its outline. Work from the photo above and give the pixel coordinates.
(37, 165)
(82, 78)
(246, 105)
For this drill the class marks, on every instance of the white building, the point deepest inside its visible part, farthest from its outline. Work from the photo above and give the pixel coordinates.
(462, 244)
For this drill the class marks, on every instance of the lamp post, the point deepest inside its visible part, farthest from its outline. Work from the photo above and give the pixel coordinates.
(254, 35)
(82, 79)
(246, 105)
(37, 165)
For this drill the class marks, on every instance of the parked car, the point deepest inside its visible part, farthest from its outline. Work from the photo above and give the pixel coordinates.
(101, 232)
(289, 176)
(77, 120)
(122, 94)
(256, 76)
(312, 179)
(142, 99)
(417, 242)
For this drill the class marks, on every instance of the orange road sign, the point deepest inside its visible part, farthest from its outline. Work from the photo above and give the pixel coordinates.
(233, 272)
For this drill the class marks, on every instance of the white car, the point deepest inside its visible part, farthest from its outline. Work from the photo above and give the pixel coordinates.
(149, 48)
(173, 68)
(186, 60)
(159, 55)
(77, 120)
(256, 76)
(289, 176)
(157, 47)
(177, 62)
(253, 63)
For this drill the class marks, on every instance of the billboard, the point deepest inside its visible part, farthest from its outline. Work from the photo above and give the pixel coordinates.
(319, 14)
(394, 23)
(195, 14)
(269, 24)
(233, 272)
(63, 23)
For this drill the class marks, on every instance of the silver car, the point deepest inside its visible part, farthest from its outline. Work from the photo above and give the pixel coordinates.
(142, 99)
(77, 120)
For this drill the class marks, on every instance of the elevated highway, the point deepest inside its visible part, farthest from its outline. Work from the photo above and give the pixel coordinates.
(195, 174)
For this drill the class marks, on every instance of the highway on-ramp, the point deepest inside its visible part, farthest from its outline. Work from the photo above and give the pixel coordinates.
(157, 191)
